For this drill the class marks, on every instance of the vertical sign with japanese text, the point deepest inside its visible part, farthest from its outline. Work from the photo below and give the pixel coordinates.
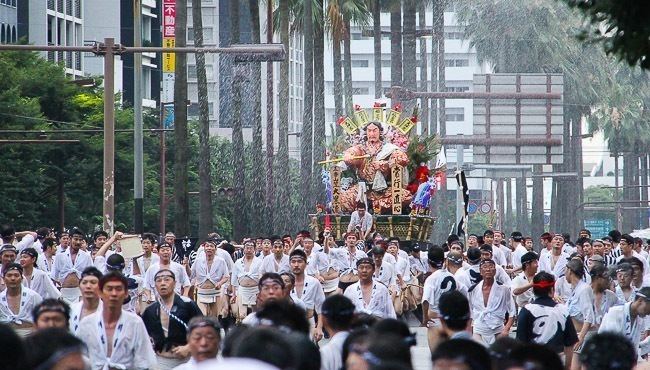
(168, 59)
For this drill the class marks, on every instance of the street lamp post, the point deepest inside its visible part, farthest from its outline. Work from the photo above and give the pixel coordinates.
(108, 49)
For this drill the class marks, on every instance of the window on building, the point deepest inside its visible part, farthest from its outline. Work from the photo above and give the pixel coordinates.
(456, 62)
(356, 36)
(385, 63)
(456, 88)
(360, 91)
(193, 109)
(455, 114)
(454, 35)
(363, 63)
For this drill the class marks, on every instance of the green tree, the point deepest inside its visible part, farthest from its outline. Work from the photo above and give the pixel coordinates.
(281, 211)
(239, 221)
(257, 177)
(620, 26)
(181, 200)
(205, 187)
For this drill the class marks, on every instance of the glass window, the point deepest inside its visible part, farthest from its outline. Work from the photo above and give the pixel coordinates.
(360, 63)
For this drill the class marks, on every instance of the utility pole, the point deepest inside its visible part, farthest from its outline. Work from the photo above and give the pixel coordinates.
(108, 209)
(138, 157)
(108, 49)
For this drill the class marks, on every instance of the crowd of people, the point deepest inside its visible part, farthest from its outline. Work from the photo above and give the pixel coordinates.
(70, 301)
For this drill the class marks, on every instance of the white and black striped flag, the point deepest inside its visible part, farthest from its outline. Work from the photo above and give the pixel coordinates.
(461, 181)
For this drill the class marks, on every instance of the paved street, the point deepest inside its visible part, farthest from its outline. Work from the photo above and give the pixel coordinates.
(420, 353)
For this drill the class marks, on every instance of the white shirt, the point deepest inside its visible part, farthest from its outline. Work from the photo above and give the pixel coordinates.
(581, 303)
(546, 264)
(141, 265)
(239, 270)
(131, 345)
(402, 268)
(343, 261)
(312, 296)
(439, 282)
(470, 276)
(489, 319)
(44, 264)
(365, 223)
(270, 264)
(563, 289)
(380, 304)
(317, 263)
(26, 242)
(41, 283)
(386, 275)
(619, 320)
(520, 250)
(506, 253)
(182, 280)
(63, 265)
(28, 300)
(525, 297)
(498, 256)
(646, 267)
(75, 314)
(201, 273)
(200, 253)
(331, 354)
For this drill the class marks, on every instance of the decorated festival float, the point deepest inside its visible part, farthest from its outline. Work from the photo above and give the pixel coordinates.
(380, 161)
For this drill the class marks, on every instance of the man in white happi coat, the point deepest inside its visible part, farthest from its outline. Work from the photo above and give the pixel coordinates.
(492, 305)
(90, 302)
(439, 282)
(69, 265)
(277, 261)
(308, 291)
(34, 278)
(338, 312)
(318, 264)
(210, 274)
(182, 279)
(45, 260)
(629, 320)
(518, 249)
(116, 339)
(384, 271)
(554, 262)
(243, 280)
(522, 284)
(369, 296)
(345, 260)
(16, 301)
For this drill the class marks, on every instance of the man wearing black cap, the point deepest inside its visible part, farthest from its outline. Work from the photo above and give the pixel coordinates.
(492, 305)
(69, 265)
(34, 278)
(370, 296)
(439, 282)
(17, 301)
(522, 284)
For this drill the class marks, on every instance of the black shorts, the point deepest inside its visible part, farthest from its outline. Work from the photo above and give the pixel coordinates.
(343, 285)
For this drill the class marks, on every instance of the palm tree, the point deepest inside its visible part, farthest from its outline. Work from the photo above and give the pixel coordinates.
(205, 187)
(538, 37)
(257, 182)
(319, 98)
(376, 27)
(396, 43)
(270, 116)
(424, 116)
(336, 28)
(306, 148)
(282, 162)
(409, 61)
(181, 155)
(239, 225)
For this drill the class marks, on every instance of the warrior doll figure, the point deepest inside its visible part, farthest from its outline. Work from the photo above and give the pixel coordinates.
(372, 160)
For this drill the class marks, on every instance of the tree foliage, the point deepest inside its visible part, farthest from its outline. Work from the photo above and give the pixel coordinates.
(620, 26)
